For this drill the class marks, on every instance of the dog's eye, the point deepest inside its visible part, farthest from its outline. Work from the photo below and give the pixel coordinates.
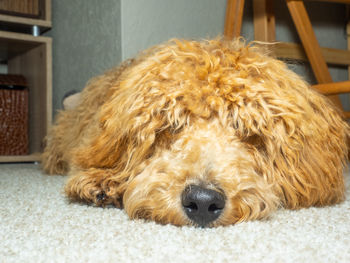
(165, 137)
(256, 141)
(173, 130)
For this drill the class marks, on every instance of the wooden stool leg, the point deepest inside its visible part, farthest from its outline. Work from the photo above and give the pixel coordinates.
(348, 34)
(310, 44)
(233, 19)
(264, 20)
(334, 87)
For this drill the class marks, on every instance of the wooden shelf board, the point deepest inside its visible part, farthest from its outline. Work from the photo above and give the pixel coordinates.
(23, 21)
(31, 57)
(24, 37)
(35, 157)
(13, 44)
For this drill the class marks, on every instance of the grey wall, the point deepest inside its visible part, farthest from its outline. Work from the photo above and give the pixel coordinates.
(149, 22)
(86, 41)
(93, 35)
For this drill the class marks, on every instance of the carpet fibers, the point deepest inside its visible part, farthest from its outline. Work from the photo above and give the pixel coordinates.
(39, 225)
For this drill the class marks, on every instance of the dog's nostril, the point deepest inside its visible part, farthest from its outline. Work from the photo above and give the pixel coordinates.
(191, 206)
(202, 205)
(213, 208)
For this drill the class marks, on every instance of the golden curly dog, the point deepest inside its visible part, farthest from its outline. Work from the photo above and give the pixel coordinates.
(200, 133)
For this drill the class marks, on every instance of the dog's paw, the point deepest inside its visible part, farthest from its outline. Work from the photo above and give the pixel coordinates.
(90, 190)
(102, 199)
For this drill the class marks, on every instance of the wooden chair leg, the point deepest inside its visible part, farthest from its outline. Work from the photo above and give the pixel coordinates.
(264, 20)
(348, 37)
(348, 33)
(333, 88)
(233, 19)
(310, 44)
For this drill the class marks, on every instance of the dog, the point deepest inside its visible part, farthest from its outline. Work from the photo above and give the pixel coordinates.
(204, 133)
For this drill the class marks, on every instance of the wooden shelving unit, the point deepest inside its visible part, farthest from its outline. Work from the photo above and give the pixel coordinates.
(31, 56)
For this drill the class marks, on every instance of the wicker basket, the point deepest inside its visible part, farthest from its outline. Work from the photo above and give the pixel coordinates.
(13, 115)
(26, 8)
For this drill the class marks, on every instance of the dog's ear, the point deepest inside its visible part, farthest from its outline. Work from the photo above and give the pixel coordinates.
(123, 136)
(302, 133)
(130, 122)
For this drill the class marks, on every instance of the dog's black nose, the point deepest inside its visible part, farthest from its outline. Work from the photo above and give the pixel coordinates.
(202, 205)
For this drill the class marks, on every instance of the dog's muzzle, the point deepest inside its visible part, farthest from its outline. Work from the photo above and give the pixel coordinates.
(202, 205)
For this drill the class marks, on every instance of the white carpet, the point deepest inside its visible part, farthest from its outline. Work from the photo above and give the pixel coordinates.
(39, 225)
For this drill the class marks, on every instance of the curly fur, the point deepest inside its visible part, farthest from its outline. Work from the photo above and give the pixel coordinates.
(216, 113)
